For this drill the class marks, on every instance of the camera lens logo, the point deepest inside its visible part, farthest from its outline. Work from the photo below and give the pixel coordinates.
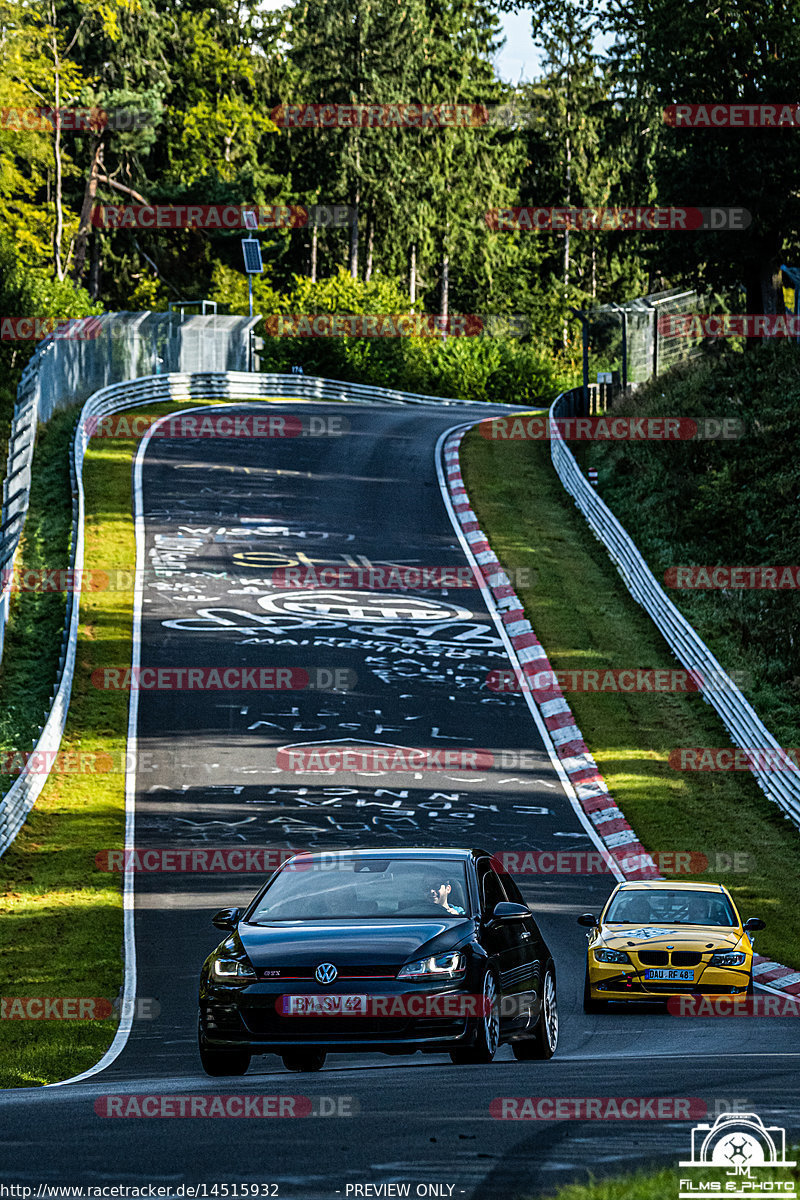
(746, 1150)
(362, 606)
(325, 973)
(741, 1144)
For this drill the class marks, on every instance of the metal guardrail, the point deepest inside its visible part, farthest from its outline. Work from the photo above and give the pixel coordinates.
(233, 386)
(16, 489)
(739, 717)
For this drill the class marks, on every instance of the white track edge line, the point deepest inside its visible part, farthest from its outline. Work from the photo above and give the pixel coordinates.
(490, 604)
(512, 654)
(129, 932)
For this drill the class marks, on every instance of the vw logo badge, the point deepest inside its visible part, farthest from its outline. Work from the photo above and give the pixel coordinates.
(325, 973)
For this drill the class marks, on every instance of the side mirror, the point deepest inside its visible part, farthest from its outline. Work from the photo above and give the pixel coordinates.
(753, 924)
(227, 918)
(506, 911)
(589, 920)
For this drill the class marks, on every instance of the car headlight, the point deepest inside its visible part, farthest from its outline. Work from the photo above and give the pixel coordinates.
(229, 969)
(611, 956)
(443, 966)
(728, 958)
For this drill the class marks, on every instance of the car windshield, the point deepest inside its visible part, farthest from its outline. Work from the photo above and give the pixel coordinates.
(665, 906)
(336, 888)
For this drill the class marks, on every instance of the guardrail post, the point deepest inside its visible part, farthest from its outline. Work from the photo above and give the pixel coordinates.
(581, 316)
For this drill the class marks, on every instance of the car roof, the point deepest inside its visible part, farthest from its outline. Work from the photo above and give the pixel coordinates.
(424, 852)
(660, 885)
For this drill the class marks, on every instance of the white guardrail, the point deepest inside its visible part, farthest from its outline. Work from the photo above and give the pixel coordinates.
(740, 719)
(16, 490)
(233, 386)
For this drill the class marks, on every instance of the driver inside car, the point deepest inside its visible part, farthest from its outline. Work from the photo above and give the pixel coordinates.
(439, 893)
(696, 910)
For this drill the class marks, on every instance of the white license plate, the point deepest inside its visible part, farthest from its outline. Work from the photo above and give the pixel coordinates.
(324, 1006)
(668, 974)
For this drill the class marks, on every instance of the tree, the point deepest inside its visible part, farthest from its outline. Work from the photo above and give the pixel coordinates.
(747, 51)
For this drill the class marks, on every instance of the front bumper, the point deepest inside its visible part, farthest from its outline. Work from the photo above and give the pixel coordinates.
(249, 1016)
(609, 981)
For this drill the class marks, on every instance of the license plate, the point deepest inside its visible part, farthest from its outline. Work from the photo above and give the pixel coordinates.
(324, 1006)
(668, 974)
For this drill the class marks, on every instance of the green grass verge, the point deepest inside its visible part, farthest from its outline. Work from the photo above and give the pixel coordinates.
(36, 619)
(660, 1185)
(727, 502)
(585, 618)
(62, 928)
(61, 932)
(640, 1186)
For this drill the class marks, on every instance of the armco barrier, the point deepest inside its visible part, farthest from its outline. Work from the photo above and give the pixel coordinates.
(24, 792)
(738, 716)
(16, 490)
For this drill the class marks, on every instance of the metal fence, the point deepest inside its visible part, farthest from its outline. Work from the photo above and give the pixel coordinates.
(738, 716)
(625, 337)
(65, 371)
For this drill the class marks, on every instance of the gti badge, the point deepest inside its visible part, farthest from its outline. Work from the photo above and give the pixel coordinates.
(325, 973)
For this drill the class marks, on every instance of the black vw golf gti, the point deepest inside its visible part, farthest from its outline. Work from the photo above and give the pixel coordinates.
(395, 951)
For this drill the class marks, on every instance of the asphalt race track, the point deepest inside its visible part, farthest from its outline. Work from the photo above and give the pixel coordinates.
(221, 515)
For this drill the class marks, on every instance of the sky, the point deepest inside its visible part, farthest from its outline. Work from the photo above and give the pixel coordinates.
(518, 59)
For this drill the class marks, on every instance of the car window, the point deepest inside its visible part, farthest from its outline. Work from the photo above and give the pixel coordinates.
(343, 887)
(492, 892)
(668, 906)
(511, 890)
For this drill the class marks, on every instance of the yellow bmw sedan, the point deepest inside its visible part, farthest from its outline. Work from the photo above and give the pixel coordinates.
(661, 939)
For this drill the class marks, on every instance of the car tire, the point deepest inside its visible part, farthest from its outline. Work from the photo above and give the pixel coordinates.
(223, 1061)
(487, 1039)
(589, 1004)
(304, 1060)
(545, 1037)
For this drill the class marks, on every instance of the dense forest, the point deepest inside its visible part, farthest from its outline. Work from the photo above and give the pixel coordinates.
(177, 102)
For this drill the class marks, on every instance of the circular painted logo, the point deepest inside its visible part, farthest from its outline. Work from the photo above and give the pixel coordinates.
(362, 606)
